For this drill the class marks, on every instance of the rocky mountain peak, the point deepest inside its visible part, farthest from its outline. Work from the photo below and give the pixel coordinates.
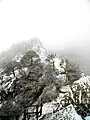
(38, 48)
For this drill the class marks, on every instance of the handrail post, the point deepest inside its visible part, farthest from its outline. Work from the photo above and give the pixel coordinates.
(24, 113)
(36, 112)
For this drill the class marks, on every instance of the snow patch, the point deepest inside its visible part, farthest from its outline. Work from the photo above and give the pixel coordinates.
(59, 64)
(18, 57)
(67, 113)
(83, 82)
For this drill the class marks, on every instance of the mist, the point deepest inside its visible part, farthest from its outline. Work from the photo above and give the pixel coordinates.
(62, 26)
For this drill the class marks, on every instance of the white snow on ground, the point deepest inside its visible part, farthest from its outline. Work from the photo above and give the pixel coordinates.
(52, 106)
(48, 108)
(67, 113)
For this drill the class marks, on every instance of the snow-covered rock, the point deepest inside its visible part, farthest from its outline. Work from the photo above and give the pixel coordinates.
(39, 49)
(83, 81)
(67, 113)
(49, 107)
(18, 57)
(60, 64)
(81, 89)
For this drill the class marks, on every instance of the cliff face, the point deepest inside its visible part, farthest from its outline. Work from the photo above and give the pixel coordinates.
(28, 77)
(81, 89)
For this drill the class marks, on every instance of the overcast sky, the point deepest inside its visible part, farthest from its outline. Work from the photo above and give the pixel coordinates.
(59, 24)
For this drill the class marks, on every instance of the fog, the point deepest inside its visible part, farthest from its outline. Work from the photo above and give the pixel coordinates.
(61, 25)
